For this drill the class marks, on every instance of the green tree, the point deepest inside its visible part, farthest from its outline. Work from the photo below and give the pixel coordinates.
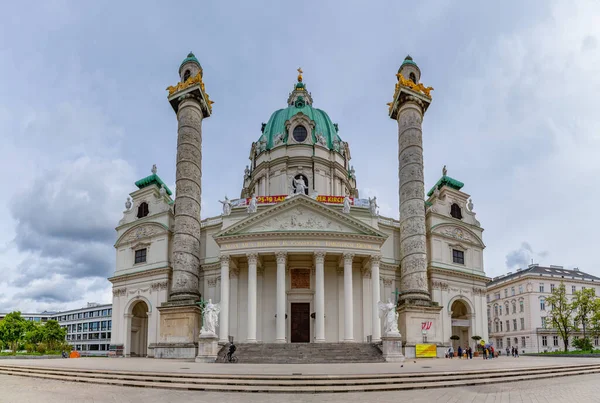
(560, 314)
(13, 328)
(53, 334)
(584, 304)
(595, 319)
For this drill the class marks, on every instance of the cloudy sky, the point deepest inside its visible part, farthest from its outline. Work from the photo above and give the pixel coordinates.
(83, 114)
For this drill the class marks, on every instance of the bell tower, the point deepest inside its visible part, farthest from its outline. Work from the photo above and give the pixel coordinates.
(180, 316)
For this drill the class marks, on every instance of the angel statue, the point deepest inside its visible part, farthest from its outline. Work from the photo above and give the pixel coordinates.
(387, 310)
(210, 318)
(226, 206)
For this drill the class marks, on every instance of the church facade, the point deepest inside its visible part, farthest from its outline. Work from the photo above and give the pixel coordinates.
(299, 257)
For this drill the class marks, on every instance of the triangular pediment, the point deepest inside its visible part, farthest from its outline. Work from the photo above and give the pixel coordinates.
(300, 214)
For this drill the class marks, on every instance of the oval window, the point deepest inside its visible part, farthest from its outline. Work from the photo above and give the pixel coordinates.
(300, 134)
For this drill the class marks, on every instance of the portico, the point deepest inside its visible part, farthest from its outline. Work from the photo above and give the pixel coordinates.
(330, 274)
(302, 280)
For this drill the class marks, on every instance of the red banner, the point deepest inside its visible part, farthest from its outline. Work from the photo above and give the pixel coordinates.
(280, 198)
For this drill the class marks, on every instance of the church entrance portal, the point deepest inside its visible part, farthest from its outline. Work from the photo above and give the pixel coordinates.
(461, 324)
(300, 324)
(139, 330)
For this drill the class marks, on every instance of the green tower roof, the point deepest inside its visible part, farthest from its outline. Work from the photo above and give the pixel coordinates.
(446, 181)
(323, 124)
(152, 180)
(407, 60)
(190, 58)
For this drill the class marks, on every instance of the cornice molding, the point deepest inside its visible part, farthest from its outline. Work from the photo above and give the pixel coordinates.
(131, 276)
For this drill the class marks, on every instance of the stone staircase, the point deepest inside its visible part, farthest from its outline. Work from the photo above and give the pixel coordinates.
(305, 353)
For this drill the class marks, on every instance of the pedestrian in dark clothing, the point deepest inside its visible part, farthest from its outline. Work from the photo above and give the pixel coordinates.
(459, 352)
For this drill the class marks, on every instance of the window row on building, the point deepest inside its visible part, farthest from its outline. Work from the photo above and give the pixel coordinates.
(103, 325)
(84, 315)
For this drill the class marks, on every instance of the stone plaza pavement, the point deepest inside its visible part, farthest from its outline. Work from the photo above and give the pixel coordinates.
(584, 388)
(576, 389)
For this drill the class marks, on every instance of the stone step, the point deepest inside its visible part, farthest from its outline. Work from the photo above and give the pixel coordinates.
(423, 382)
(305, 353)
(387, 376)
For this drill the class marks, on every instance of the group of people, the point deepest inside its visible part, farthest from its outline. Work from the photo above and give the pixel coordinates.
(514, 351)
(467, 352)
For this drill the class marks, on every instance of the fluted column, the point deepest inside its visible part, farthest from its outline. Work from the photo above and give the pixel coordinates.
(280, 298)
(319, 296)
(412, 195)
(252, 261)
(224, 322)
(375, 293)
(188, 175)
(348, 306)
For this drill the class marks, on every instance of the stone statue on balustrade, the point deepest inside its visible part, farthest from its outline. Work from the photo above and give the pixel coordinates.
(346, 208)
(210, 319)
(387, 311)
(373, 206)
(252, 205)
(226, 206)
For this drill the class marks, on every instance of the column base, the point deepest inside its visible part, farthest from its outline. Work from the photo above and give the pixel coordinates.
(320, 341)
(251, 341)
(280, 341)
(179, 331)
(349, 341)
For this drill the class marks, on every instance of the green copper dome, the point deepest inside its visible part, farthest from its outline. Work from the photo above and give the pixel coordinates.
(322, 125)
(190, 58)
(407, 60)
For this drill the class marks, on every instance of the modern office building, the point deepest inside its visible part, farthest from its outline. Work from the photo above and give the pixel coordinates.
(517, 307)
(88, 329)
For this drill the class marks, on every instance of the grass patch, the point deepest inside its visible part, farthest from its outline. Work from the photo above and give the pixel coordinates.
(574, 352)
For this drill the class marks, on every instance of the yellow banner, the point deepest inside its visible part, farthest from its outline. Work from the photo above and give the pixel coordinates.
(426, 351)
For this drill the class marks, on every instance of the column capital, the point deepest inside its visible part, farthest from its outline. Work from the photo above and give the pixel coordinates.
(224, 259)
(252, 258)
(374, 259)
(281, 257)
(319, 256)
(348, 257)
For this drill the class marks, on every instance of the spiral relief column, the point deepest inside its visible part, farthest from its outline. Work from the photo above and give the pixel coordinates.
(411, 100)
(180, 316)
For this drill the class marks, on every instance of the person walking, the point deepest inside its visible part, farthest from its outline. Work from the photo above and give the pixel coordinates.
(507, 351)
(460, 352)
(450, 352)
(485, 353)
(470, 353)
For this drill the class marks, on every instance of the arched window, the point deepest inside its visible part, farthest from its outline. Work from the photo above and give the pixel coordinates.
(142, 210)
(300, 134)
(186, 75)
(455, 211)
(412, 77)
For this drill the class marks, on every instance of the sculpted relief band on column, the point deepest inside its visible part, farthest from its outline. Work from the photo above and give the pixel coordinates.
(411, 100)
(186, 239)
